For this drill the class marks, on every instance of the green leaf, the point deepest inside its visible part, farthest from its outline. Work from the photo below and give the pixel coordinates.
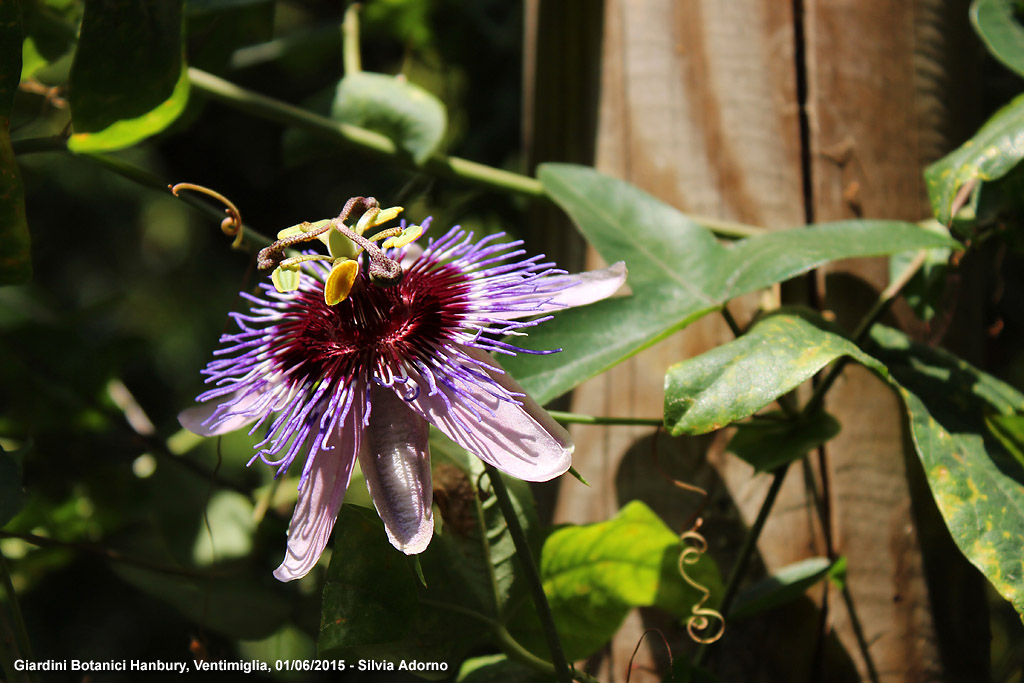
(678, 272)
(50, 34)
(774, 441)
(786, 585)
(925, 289)
(15, 260)
(977, 483)
(228, 34)
(988, 156)
(289, 642)
(237, 607)
(370, 594)
(227, 533)
(997, 23)
(735, 380)
(474, 549)
(12, 496)
(204, 6)
(128, 80)
(497, 669)
(413, 118)
(469, 568)
(1009, 429)
(31, 60)
(594, 574)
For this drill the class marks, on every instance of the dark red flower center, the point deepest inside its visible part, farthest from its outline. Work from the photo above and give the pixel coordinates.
(375, 325)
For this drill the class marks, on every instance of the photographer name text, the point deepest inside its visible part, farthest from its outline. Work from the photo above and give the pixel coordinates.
(244, 666)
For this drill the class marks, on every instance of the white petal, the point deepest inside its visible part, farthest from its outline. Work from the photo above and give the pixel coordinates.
(192, 419)
(395, 459)
(320, 498)
(523, 441)
(412, 255)
(580, 289)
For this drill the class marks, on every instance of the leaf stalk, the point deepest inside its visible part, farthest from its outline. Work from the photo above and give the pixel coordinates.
(531, 574)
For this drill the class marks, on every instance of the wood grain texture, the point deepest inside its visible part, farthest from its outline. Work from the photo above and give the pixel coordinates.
(879, 109)
(698, 107)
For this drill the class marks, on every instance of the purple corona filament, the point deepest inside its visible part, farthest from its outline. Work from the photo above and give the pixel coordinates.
(362, 379)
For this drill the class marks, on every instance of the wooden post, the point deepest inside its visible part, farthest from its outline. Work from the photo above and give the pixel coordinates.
(776, 114)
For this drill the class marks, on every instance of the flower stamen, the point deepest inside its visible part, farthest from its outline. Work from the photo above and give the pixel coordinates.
(383, 271)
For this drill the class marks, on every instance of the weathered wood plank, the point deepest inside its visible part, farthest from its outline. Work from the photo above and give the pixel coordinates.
(880, 108)
(698, 107)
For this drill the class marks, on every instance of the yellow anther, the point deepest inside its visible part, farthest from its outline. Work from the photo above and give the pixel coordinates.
(366, 220)
(285, 279)
(387, 215)
(301, 228)
(339, 282)
(288, 232)
(410, 234)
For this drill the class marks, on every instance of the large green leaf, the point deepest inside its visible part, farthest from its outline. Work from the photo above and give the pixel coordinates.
(787, 584)
(374, 606)
(223, 31)
(735, 380)
(228, 529)
(237, 606)
(774, 441)
(15, 261)
(988, 156)
(1010, 430)
(51, 30)
(128, 80)
(594, 574)
(925, 290)
(413, 118)
(678, 272)
(370, 594)
(998, 24)
(977, 483)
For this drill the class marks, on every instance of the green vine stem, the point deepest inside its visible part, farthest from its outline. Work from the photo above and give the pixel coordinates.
(378, 145)
(880, 306)
(577, 418)
(533, 583)
(369, 141)
(350, 58)
(516, 652)
(252, 241)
